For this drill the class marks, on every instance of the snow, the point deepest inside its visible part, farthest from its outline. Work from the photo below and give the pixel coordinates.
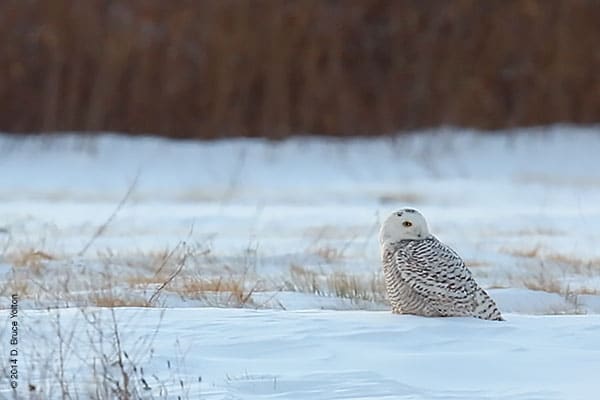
(310, 202)
(311, 354)
(522, 207)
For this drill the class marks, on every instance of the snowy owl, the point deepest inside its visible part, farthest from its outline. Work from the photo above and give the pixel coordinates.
(425, 277)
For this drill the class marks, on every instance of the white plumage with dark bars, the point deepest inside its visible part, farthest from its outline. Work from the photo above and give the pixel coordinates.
(424, 276)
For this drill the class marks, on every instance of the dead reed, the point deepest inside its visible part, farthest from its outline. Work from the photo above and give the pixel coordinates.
(271, 68)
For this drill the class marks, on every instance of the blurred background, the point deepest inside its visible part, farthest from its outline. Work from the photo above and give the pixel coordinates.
(415, 86)
(92, 218)
(274, 68)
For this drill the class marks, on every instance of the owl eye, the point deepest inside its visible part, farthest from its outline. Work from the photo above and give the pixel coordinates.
(407, 223)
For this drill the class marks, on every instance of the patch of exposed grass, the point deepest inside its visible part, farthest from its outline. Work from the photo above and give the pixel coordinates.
(567, 262)
(497, 286)
(539, 231)
(587, 291)
(477, 263)
(221, 291)
(575, 264)
(554, 180)
(544, 282)
(533, 252)
(137, 281)
(193, 272)
(112, 300)
(303, 280)
(329, 254)
(34, 260)
(400, 198)
(356, 287)
(18, 286)
(527, 232)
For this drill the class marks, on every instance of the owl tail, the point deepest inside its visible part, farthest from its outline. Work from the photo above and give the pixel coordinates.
(485, 307)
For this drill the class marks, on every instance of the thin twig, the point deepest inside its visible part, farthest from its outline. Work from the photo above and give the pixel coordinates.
(112, 216)
(167, 258)
(164, 263)
(169, 279)
(124, 393)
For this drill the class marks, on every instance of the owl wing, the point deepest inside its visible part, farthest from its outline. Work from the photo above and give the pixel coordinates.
(436, 273)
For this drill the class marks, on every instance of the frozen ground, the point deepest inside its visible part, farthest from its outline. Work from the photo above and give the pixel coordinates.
(292, 226)
(212, 353)
(275, 217)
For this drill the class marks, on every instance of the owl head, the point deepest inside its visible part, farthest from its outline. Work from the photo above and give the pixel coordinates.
(404, 224)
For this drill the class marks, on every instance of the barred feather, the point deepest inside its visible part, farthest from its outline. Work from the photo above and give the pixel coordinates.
(426, 277)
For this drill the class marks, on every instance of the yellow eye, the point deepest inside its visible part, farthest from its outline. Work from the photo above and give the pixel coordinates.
(407, 223)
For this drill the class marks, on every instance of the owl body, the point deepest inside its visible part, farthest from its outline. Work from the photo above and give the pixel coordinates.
(425, 277)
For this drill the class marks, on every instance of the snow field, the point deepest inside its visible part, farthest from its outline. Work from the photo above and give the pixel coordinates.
(213, 353)
(254, 266)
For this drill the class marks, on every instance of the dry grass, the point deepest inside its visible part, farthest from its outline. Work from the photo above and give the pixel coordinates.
(567, 262)
(144, 281)
(234, 283)
(105, 281)
(87, 354)
(530, 233)
(329, 254)
(581, 182)
(538, 232)
(498, 286)
(576, 264)
(112, 300)
(28, 265)
(232, 287)
(533, 252)
(477, 263)
(552, 269)
(356, 287)
(193, 272)
(304, 280)
(34, 260)
(547, 281)
(223, 292)
(199, 195)
(19, 286)
(401, 198)
(266, 67)
(544, 282)
(587, 291)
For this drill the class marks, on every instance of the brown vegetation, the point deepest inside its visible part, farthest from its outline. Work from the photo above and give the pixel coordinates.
(112, 300)
(33, 259)
(531, 252)
(567, 261)
(356, 287)
(221, 291)
(271, 68)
